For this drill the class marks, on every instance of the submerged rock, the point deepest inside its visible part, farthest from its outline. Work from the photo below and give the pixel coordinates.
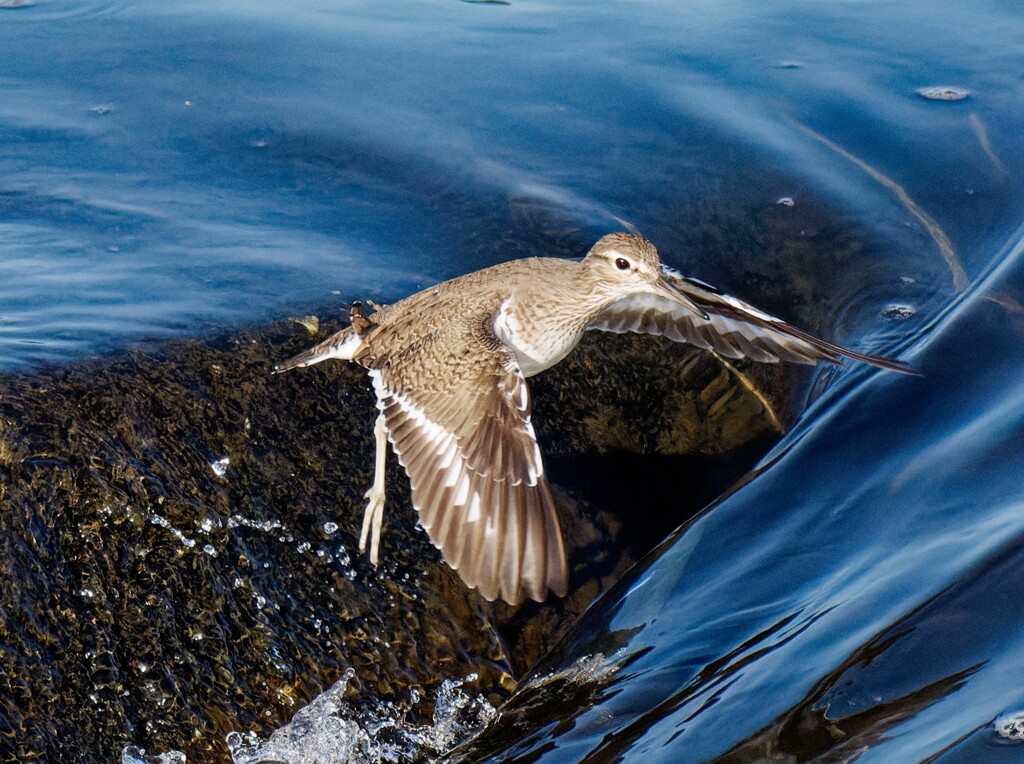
(179, 533)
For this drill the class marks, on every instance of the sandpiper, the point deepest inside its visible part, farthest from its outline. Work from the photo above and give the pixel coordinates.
(449, 366)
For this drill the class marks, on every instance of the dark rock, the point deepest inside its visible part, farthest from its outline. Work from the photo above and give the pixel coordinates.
(153, 593)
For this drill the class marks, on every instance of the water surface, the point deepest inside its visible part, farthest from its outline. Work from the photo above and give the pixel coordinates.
(175, 169)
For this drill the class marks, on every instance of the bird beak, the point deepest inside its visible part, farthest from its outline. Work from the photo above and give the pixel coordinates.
(664, 289)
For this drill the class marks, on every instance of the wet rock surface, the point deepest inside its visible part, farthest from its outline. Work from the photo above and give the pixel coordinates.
(179, 533)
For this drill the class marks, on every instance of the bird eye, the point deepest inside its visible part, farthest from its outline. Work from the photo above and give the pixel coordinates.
(622, 263)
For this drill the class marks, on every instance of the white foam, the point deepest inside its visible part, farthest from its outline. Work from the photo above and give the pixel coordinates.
(332, 729)
(1010, 726)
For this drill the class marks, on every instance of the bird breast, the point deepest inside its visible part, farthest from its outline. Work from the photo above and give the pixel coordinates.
(538, 339)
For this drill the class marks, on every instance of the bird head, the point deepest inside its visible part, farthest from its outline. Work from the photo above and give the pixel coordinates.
(622, 265)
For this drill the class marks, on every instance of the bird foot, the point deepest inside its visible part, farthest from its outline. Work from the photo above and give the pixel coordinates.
(358, 319)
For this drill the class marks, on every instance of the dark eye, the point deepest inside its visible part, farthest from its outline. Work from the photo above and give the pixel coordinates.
(622, 263)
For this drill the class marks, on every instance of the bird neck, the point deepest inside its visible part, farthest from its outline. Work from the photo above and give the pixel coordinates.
(594, 291)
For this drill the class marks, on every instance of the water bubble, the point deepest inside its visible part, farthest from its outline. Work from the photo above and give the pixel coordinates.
(785, 201)
(898, 312)
(163, 522)
(242, 744)
(943, 93)
(330, 528)
(1010, 726)
(236, 521)
(220, 467)
(132, 754)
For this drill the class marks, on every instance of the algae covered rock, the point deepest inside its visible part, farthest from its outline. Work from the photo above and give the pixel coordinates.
(179, 529)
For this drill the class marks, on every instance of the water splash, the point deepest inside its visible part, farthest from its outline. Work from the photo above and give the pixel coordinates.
(943, 93)
(589, 669)
(163, 522)
(897, 312)
(1010, 727)
(220, 466)
(134, 755)
(333, 729)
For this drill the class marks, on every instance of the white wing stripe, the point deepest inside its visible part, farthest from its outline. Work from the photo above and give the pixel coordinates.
(463, 493)
(473, 514)
(477, 479)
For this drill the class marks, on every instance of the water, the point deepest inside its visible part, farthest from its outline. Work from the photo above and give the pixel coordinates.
(331, 730)
(173, 168)
(873, 620)
(176, 169)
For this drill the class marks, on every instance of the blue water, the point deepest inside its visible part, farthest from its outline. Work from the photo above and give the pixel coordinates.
(175, 167)
(178, 168)
(808, 614)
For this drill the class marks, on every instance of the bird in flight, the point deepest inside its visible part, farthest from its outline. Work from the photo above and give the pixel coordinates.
(449, 366)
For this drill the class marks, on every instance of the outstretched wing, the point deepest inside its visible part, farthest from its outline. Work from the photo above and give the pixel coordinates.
(734, 329)
(457, 410)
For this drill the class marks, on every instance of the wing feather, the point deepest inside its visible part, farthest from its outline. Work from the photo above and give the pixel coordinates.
(734, 329)
(460, 424)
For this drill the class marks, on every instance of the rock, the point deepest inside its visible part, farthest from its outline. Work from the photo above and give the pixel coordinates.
(179, 534)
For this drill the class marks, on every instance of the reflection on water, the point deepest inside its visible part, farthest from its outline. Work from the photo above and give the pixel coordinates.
(167, 169)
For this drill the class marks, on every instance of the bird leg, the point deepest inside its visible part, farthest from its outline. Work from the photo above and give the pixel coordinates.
(374, 515)
(358, 319)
